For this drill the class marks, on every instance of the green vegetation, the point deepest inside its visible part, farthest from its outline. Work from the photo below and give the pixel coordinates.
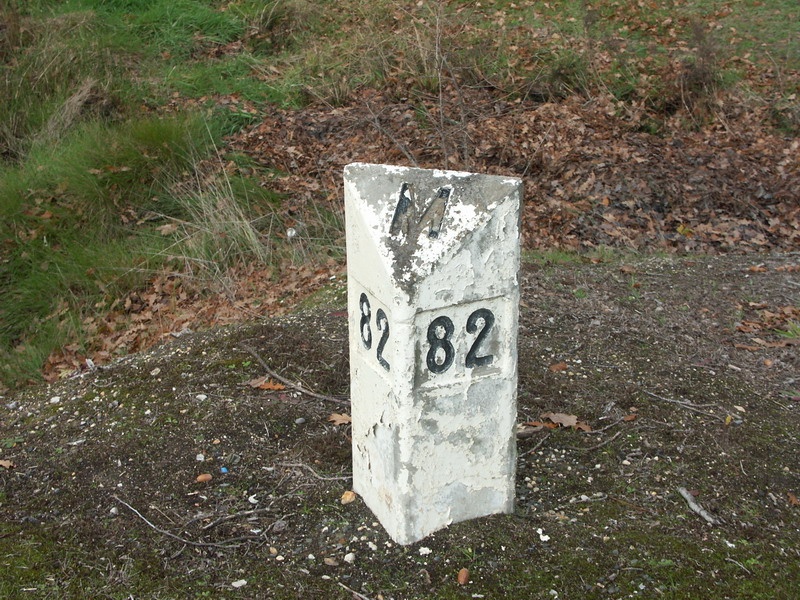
(113, 117)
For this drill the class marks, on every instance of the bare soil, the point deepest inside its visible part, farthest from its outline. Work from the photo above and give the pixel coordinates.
(676, 363)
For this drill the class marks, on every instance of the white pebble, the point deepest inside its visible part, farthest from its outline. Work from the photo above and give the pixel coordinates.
(350, 557)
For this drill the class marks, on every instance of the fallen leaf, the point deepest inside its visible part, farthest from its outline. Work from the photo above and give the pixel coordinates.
(7, 464)
(331, 562)
(757, 269)
(793, 501)
(339, 419)
(348, 497)
(561, 419)
(746, 347)
(558, 367)
(630, 417)
(463, 576)
(272, 385)
(265, 383)
(580, 425)
(628, 269)
(204, 478)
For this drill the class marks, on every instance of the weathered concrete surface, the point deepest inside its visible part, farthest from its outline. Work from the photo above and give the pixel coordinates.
(433, 301)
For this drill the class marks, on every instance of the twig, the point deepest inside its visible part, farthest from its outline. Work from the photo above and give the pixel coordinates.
(601, 444)
(539, 443)
(352, 591)
(602, 429)
(632, 505)
(286, 382)
(529, 432)
(740, 565)
(224, 544)
(244, 513)
(696, 507)
(686, 405)
(313, 472)
(377, 124)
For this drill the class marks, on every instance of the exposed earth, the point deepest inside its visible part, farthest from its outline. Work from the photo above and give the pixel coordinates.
(659, 388)
(675, 369)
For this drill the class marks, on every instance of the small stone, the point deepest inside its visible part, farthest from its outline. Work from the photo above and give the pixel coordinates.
(424, 551)
(280, 558)
(239, 583)
(299, 421)
(155, 371)
(114, 511)
(279, 526)
(200, 457)
(350, 557)
(55, 399)
(201, 397)
(543, 536)
(204, 478)
(331, 562)
(348, 497)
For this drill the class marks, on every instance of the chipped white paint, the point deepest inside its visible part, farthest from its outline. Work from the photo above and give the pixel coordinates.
(432, 261)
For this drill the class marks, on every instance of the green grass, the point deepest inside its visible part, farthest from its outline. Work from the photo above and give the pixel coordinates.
(88, 169)
(79, 220)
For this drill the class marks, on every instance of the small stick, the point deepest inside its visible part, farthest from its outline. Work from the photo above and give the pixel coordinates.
(738, 564)
(223, 544)
(632, 505)
(697, 508)
(244, 513)
(377, 124)
(286, 382)
(313, 472)
(602, 429)
(601, 444)
(352, 591)
(539, 443)
(686, 405)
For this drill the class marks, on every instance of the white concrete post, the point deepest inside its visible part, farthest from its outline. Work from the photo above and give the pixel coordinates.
(433, 295)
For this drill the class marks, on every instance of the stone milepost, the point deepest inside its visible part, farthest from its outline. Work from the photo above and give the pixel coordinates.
(433, 295)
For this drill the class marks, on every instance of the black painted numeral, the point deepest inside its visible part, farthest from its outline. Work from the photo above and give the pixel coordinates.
(382, 322)
(366, 313)
(441, 353)
(444, 326)
(472, 327)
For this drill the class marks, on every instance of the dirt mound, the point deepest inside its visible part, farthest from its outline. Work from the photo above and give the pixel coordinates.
(682, 371)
